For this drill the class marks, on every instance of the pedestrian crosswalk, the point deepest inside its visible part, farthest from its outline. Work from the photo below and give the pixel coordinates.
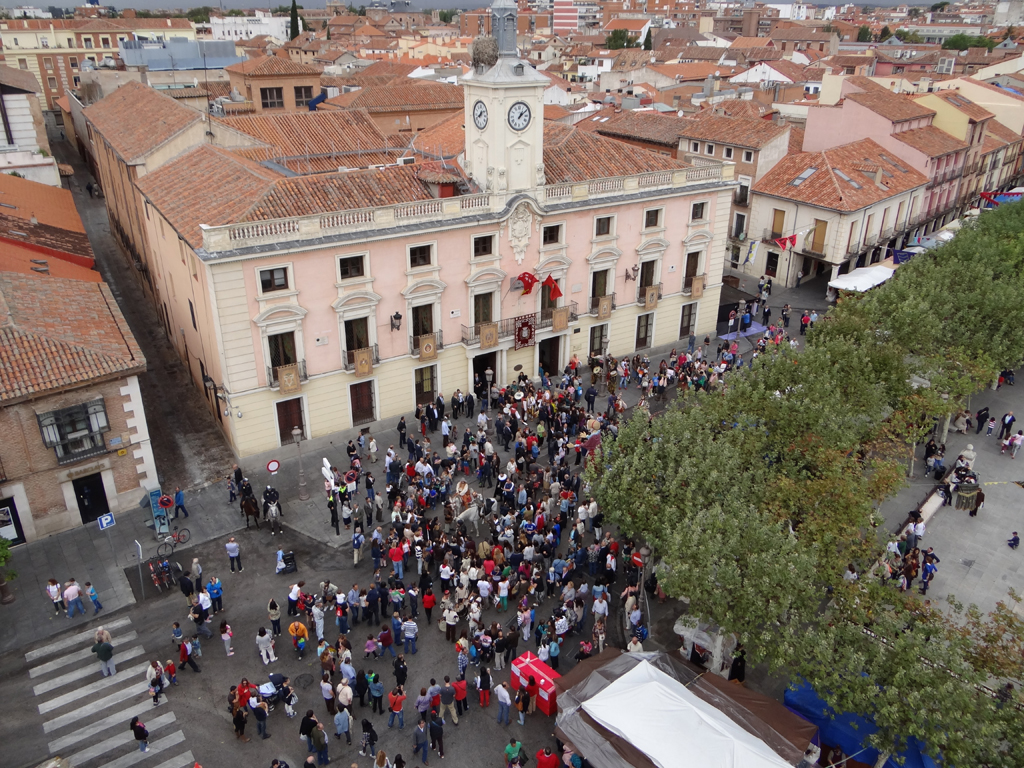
(86, 715)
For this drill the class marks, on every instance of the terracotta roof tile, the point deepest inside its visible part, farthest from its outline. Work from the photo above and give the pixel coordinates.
(42, 350)
(991, 144)
(271, 66)
(955, 98)
(392, 68)
(27, 261)
(555, 112)
(445, 140)
(796, 139)
(931, 141)
(891, 106)
(21, 79)
(572, 155)
(19, 230)
(751, 42)
(693, 70)
(311, 133)
(738, 131)
(50, 205)
(824, 188)
(207, 185)
(136, 119)
(1000, 131)
(652, 127)
(801, 34)
(422, 95)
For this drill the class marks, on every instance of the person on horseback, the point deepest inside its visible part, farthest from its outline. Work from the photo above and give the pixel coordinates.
(270, 496)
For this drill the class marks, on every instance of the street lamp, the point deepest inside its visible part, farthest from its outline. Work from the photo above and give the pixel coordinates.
(297, 437)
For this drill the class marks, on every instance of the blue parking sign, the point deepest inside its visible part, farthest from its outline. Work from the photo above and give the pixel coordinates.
(106, 521)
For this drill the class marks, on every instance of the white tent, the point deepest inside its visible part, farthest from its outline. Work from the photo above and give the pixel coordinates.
(674, 728)
(862, 279)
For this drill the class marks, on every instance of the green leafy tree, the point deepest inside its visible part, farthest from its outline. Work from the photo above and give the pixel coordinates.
(885, 34)
(235, 12)
(914, 12)
(620, 38)
(938, 7)
(294, 27)
(446, 17)
(962, 42)
(906, 36)
(648, 41)
(283, 9)
(864, 34)
(1010, 32)
(200, 15)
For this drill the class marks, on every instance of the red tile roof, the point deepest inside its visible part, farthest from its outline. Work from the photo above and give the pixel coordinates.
(445, 140)
(272, 66)
(1000, 131)
(931, 141)
(26, 261)
(737, 131)
(42, 350)
(572, 155)
(21, 79)
(652, 127)
(311, 133)
(889, 105)
(415, 95)
(136, 119)
(825, 188)
(73, 245)
(954, 98)
(49, 205)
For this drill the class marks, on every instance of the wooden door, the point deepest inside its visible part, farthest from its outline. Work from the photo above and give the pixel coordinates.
(289, 416)
(643, 331)
(425, 385)
(818, 241)
(361, 397)
(778, 222)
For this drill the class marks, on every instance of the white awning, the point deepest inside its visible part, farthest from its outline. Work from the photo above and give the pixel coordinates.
(862, 279)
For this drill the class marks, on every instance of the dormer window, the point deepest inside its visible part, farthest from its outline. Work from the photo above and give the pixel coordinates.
(518, 69)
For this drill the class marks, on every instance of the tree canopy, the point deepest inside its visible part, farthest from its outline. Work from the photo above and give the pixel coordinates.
(962, 42)
(620, 38)
(293, 23)
(756, 496)
(864, 34)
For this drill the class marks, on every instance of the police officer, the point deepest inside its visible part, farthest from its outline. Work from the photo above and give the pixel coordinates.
(245, 490)
(270, 496)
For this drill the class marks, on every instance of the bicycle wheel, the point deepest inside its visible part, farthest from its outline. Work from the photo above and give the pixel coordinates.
(165, 550)
(183, 535)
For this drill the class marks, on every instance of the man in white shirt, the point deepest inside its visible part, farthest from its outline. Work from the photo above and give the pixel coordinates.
(600, 607)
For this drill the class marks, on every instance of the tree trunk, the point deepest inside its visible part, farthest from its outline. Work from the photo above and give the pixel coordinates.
(945, 428)
(883, 758)
(6, 596)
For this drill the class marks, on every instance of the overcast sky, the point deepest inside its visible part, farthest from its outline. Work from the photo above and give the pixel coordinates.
(153, 4)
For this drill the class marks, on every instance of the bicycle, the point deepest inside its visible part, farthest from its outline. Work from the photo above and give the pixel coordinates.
(176, 537)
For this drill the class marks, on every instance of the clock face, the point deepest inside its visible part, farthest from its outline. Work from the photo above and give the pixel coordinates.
(519, 116)
(480, 115)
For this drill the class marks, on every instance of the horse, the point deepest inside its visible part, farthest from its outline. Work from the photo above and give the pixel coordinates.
(274, 514)
(250, 508)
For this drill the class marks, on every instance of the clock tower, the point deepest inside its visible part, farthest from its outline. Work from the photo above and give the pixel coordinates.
(505, 113)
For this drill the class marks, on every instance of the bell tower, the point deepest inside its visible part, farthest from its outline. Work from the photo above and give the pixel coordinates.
(504, 116)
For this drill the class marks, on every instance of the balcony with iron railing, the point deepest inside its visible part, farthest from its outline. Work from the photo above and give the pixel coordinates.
(886, 234)
(595, 302)
(414, 342)
(870, 240)
(507, 327)
(349, 357)
(444, 211)
(641, 291)
(272, 377)
(688, 283)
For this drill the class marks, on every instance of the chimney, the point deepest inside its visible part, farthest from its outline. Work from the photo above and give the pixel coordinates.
(33, 219)
(878, 177)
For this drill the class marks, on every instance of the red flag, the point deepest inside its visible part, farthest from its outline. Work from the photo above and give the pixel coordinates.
(792, 241)
(526, 281)
(782, 242)
(552, 284)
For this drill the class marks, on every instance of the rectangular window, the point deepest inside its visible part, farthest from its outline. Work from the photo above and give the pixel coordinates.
(47, 62)
(644, 325)
(350, 266)
(76, 432)
(357, 336)
(274, 279)
(483, 245)
(73, 62)
(272, 98)
(697, 211)
(71, 42)
(421, 256)
(23, 63)
(44, 42)
(303, 95)
(727, 153)
(552, 234)
(51, 82)
(282, 349)
(740, 226)
(695, 146)
(87, 42)
(546, 300)
(778, 222)
(603, 226)
(748, 156)
(483, 304)
(105, 42)
(598, 339)
(687, 320)
(709, 149)
(422, 320)
(652, 219)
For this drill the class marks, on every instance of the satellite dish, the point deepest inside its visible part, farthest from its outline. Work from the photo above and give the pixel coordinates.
(717, 73)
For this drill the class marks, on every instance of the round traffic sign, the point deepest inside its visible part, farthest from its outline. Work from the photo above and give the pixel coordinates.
(273, 465)
(165, 502)
(637, 560)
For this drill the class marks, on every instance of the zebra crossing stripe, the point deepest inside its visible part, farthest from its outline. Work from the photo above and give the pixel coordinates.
(123, 717)
(181, 761)
(88, 690)
(93, 707)
(73, 640)
(85, 653)
(86, 671)
(154, 746)
(125, 737)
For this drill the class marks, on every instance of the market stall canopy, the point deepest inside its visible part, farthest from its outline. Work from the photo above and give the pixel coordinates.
(656, 710)
(863, 279)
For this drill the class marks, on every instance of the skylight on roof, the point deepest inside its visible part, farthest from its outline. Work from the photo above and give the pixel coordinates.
(803, 177)
(846, 178)
(893, 163)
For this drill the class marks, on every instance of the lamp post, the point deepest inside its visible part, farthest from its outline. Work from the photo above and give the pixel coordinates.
(297, 437)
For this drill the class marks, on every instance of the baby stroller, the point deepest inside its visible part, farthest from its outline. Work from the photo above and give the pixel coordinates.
(271, 692)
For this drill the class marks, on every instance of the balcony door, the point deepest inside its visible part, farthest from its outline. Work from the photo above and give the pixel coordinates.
(357, 336)
(778, 223)
(818, 239)
(282, 349)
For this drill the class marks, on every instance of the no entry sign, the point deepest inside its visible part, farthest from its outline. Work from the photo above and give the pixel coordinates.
(273, 465)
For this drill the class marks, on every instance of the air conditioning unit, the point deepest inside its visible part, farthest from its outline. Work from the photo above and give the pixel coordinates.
(406, 160)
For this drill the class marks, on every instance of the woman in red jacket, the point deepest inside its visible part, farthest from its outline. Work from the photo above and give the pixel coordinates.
(429, 601)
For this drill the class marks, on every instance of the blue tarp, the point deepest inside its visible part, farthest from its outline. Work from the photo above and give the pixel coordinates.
(849, 731)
